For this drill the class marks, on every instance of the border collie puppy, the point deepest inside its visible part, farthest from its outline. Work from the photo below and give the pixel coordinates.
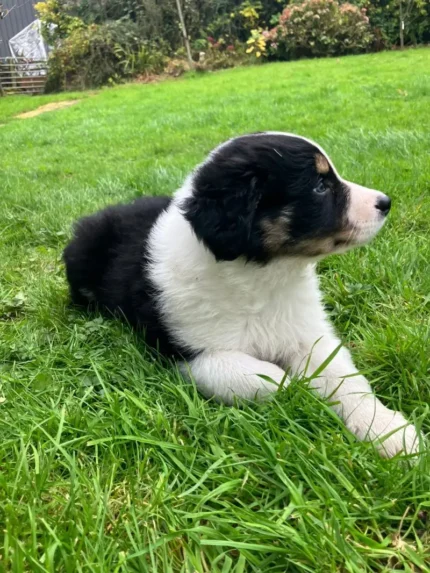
(223, 275)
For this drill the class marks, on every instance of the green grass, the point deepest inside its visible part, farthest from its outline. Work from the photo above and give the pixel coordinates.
(14, 105)
(109, 462)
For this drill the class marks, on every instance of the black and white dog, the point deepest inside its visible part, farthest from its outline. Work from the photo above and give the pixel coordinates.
(223, 276)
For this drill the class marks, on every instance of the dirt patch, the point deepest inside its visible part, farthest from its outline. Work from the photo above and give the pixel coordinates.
(48, 107)
(149, 79)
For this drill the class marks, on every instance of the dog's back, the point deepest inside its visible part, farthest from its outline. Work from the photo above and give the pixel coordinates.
(104, 260)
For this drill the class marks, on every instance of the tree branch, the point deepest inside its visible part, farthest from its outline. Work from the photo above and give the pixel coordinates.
(6, 11)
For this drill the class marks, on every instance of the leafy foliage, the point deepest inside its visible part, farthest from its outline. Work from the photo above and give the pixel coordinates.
(219, 54)
(145, 60)
(320, 28)
(257, 43)
(102, 53)
(384, 17)
(57, 22)
(124, 38)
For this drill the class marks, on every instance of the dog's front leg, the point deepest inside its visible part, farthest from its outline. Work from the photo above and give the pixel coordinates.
(353, 399)
(226, 375)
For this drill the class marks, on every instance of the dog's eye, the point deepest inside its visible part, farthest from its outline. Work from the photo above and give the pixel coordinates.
(320, 189)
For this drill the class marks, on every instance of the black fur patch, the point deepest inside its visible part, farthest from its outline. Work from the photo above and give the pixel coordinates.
(105, 265)
(255, 179)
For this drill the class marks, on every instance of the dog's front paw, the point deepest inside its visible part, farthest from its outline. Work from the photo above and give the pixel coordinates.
(398, 436)
(389, 430)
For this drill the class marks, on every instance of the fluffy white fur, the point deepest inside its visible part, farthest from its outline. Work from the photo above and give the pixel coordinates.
(257, 320)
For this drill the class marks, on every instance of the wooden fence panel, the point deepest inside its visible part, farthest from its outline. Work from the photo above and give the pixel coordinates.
(21, 75)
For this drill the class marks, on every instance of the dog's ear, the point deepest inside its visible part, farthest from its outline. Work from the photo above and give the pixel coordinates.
(221, 212)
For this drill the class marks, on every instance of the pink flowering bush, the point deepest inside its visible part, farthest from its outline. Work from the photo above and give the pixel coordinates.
(318, 28)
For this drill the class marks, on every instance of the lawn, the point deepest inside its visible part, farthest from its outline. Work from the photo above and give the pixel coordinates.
(109, 462)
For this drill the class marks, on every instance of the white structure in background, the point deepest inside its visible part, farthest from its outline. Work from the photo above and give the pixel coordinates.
(29, 44)
(15, 15)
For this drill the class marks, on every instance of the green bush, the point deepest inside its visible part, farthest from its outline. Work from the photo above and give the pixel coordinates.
(86, 58)
(95, 55)
(105, 41)
(233, 55)
(320, 28)
(57, 23)
(146, 60)
(384, 16)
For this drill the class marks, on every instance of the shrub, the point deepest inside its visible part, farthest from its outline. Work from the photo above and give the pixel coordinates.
(384, 16)
(220, 54)
(94, 55)
(176, 67)
(86, 58)
(223, 60)
(147, 59)
(56, 22)
(250, 12)
(257, 43)
(320, 28)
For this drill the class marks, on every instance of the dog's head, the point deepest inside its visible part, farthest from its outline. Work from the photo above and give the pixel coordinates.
(267, 195)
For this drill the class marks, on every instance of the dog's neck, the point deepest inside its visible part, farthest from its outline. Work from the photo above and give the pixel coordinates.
(174, 242)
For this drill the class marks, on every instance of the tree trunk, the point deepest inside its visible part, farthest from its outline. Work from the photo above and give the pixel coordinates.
(184, 33)
(402, 25)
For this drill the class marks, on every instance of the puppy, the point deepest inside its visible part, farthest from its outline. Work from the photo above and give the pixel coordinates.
(223, 275)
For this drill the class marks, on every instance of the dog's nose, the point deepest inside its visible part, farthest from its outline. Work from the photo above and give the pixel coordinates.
(383, 204)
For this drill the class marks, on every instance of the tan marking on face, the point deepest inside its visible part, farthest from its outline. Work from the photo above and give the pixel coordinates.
(345, 235)
(314, 247)
(275, 232)
(321, 164)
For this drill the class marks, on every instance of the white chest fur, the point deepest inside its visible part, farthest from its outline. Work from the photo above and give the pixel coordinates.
(260, 310)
